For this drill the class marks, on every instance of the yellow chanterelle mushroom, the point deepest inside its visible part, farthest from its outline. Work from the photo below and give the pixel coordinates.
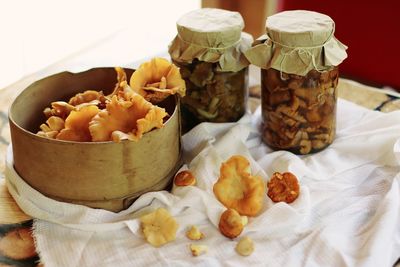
(194, 233)
(236, 188)
(157, 79)
(159, 227)
(245, 246)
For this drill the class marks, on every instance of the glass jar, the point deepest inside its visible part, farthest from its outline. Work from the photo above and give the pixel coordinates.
(299, 112)
(212, 95)
(299, 58)
(209, 50)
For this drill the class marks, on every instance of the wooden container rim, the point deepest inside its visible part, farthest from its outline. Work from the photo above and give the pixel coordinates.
(64, 142)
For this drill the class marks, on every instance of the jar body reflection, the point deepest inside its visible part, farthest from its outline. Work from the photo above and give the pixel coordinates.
(212, 95)
(299, 112)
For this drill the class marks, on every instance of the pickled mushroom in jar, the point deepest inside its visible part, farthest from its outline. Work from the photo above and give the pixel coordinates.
(299, 112)
(213, 95)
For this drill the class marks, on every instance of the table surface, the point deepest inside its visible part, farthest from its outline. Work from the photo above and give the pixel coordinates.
(11, 216)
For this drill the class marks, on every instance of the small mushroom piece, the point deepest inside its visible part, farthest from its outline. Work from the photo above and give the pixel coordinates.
(60, 109)
(119, 88)
(185, 178)
(271, 79)
(213, 105)
(154, 119)
(313, 115)
(288, 111)
(245, 246)
(47, 134)
(159, 227)
(329, 106)
(194, 233)
(87, 97)
(198, 250)
(77, 125)
(305, 146)
(295, 104)
(318, 144)
(289, 133)
(279, 97)
(302, 103)
(192, 101)
(297, 138)
(323, 137)
(53, 123)
(218, 86)
(207, 114)
(202, 74)
(52, 127)
(295, 82)
(230, 223)
(309, 94)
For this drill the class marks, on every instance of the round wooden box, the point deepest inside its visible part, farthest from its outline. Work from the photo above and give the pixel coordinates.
(105, 175)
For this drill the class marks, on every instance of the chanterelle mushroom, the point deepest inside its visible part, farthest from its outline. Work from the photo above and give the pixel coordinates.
(283, 187)
(77, 125)
(155, 80)
(231, 223)
(245, 246)
(236, 188)
(197, 250)
(52, 127)
(185, 178)
(194, 233)
(159, 227)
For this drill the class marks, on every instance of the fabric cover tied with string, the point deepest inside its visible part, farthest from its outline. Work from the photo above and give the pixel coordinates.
(296, 42)
(211, 35)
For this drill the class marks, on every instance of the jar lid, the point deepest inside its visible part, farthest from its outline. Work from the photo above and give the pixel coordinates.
(211, 35)
(297, 41)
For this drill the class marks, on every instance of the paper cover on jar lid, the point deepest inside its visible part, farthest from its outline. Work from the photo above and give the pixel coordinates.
(296, 42)
(211, 35)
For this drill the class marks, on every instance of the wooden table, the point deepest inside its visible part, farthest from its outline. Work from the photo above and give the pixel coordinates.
(16, 243)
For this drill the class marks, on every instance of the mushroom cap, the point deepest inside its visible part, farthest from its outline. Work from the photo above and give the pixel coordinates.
(283, 187)
(245, 246)
(155, 80)
(236, 188)
(159, 227)
(185, 178)
(230, 223)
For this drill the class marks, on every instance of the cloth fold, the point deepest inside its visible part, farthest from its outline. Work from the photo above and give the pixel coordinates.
(347, 214)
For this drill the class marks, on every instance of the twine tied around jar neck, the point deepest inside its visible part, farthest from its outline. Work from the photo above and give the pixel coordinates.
(210, 47)
(302, 50)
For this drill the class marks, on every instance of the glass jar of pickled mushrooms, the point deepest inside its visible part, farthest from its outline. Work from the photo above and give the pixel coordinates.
(209, 49)
(299, 58)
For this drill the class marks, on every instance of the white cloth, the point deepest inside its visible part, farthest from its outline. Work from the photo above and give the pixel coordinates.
(347, 214)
